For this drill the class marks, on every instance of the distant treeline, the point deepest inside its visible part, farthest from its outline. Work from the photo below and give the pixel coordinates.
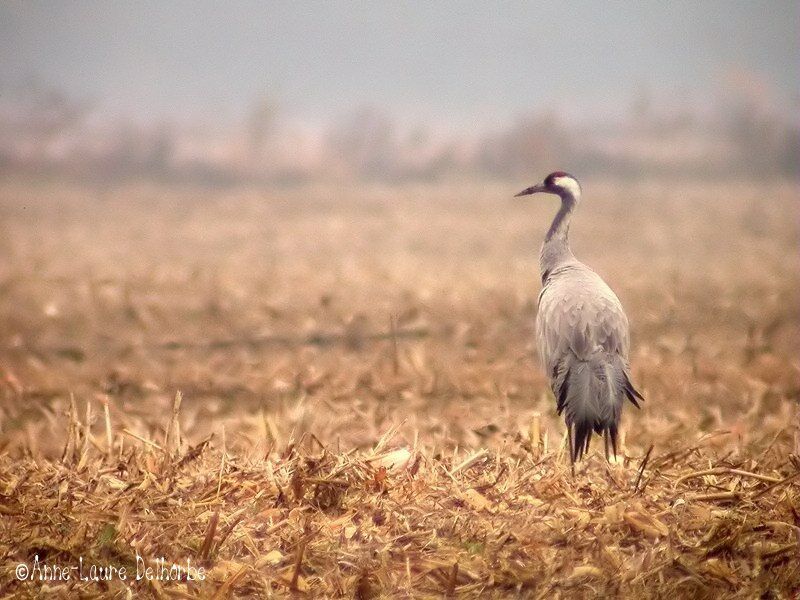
(44, 132)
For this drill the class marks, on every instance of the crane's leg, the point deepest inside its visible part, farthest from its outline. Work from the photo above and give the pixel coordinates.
(571, 450)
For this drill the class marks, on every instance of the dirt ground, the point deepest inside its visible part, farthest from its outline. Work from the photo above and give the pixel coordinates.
(361, 410)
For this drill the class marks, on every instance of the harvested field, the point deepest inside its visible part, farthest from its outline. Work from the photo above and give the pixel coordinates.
(332, 391)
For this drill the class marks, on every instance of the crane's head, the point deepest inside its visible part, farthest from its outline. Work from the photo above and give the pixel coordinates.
(559, 183)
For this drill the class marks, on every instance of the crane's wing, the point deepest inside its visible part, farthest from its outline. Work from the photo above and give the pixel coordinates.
(578, 312)
(583, 342)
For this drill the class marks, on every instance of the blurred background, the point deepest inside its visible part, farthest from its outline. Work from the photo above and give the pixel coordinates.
(306, 209)
(282, 92)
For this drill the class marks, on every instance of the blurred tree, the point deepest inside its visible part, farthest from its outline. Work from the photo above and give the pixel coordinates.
(260, 128)
(366, 144)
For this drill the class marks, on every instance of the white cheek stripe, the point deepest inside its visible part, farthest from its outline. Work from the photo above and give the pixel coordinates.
(569, 184)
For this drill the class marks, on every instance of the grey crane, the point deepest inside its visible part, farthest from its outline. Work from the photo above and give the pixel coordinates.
(581, 331)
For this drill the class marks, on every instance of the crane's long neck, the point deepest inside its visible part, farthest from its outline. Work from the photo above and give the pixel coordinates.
(556, 250)
(559, 228)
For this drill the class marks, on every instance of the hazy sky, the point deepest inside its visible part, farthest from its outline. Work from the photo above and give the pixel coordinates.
(435, 61)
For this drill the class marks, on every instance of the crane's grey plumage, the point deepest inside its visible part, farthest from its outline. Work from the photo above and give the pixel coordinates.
(581, 330)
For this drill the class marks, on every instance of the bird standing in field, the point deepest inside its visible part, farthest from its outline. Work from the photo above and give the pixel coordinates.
(581, 331)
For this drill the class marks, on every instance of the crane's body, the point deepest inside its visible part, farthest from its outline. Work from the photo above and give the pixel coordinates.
(581, 330)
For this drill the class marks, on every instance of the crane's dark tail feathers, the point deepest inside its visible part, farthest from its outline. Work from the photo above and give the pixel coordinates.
(590, 393)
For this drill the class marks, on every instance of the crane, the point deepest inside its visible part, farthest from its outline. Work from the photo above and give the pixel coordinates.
(581, 332)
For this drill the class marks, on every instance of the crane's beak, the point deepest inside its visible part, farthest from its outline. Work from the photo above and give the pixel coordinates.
(539, 187)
